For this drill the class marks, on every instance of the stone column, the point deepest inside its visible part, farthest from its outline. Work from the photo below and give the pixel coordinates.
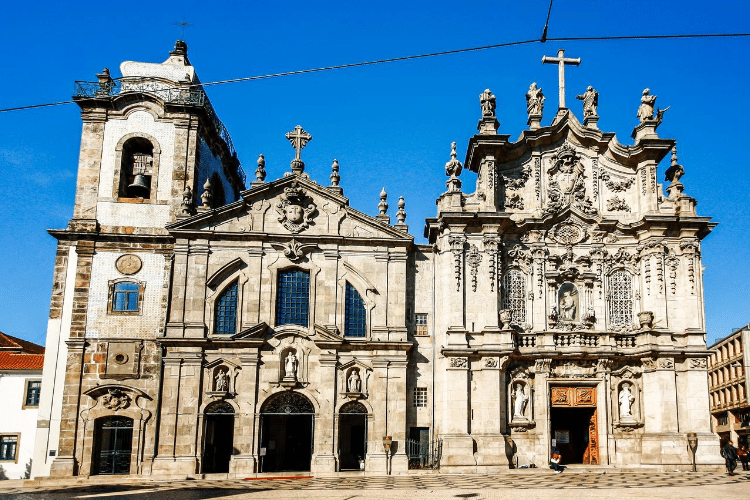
(396, 321)
(542, 410)
(458, 445)
(454, 294)
(329, 291)
(397, 414)
(89, 170)
(488, 422)
(184, 161)
(376, 461)
(660, 412)
(195, 290)
(694, 410)
(245, 462)
(252, 299)
(324, 459)
(176, 319)
(491, 301)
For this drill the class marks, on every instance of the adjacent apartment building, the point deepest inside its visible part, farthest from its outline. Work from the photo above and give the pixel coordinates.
(727, 380)
(20, 386)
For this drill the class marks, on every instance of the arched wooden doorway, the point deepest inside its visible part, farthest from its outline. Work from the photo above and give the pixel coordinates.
(113, 445)
(352, 435)
(286, 440)
(218, 437)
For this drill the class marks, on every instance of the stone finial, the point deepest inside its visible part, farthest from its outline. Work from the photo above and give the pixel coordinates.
(207, 196)
(673, 175)
(260, 172)
(299, 139)
(186, 207)
(534, 106)
(401, 215)
(180, 48)
(453, 169)
(335, 178)
(590, 100)
(383, 207)
(106, 84)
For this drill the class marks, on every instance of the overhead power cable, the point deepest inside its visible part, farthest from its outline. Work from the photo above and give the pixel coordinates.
(422, 56)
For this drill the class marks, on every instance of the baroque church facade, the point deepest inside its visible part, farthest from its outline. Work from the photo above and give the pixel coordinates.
(200, 323)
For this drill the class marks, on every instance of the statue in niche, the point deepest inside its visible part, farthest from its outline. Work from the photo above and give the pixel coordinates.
(487, 100)
(646, 109)
(568, 302)
(520, 402)
(290, 366)
(534, 100)
(221, 381)
(590, 100)
(626, 401)
(354, 383)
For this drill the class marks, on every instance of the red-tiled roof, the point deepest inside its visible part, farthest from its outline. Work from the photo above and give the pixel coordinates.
(9, 343)
(11, 361)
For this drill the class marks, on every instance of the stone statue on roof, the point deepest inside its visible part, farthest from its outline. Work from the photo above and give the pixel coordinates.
(590, 100)
(534, 100)
(646, 109)
(487, 100)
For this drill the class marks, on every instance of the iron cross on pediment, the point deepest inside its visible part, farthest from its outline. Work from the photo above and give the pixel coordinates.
(299, 139)
(561, 61)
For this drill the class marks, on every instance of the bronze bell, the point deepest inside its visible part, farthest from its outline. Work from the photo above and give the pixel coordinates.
(139, 187)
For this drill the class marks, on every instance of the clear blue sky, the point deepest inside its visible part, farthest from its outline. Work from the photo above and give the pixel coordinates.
(388, 125)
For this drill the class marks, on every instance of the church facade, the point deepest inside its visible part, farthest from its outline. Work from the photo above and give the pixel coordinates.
(204, 324)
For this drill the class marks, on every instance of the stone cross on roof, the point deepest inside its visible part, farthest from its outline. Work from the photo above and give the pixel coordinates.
(299, 139)
(561, 61)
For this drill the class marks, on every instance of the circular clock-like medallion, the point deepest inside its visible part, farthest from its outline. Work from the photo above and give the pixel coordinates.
(128, 264)
(121, 358)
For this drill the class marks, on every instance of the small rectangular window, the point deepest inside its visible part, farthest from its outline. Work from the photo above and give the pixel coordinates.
(33, 390)
(420, 397)
(125, 297)
(420, 325)
(8, 447)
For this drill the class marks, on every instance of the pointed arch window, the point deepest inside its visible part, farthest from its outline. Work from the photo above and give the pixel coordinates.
(356, 315)
(293, 298)
(514, 295)
(620, 298)
(225, 318)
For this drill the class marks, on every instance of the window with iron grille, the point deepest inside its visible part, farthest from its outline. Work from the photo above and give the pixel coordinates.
(225, 314)
(33, 390)
(514, 295)
(420, 397)
(620, 298)
(293, 298)
(8, 447)
(420, 325)
(355, 314)
(125, 297)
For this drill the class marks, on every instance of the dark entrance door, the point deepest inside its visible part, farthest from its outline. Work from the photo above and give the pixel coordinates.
(218, 437)
(286, 440)
(113, 444)
(572, 425)
(352, 435)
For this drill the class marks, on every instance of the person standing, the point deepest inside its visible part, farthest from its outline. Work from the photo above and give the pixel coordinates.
(729, 453)
(744, 455)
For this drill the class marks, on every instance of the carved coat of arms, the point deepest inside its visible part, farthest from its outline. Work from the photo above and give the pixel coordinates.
(566, 183)
(115, 399)
(296, 209)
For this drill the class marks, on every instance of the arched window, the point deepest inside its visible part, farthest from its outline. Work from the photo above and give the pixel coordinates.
(125, 297)
(293, 298)
(620, 298)
(225, 317)
(514, 295)
(136, 168)
(355, 314)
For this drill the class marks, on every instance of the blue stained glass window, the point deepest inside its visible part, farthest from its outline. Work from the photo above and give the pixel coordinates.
(225, 318)
(356, 317)
(125, 297)
(293, 298)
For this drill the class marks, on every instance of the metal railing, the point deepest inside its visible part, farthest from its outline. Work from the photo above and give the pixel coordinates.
(424, 455)
(187, 96)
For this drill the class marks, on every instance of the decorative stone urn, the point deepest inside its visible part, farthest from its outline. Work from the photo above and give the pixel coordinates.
(505, 318)
(646, 320)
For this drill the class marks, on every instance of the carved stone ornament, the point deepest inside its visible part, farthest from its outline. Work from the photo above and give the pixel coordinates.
(128, 264)
(296, 209)
(666, 363)
(115, 399)
(616, 204)
(490, 362)
(294, 250)
(568, 233)
(473, 259)
(514, 202)
(459, 362)
(566, 183)
(697, 362)
(542, 365)
(616, 186)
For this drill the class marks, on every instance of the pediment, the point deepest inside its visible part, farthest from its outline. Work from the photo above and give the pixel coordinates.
(290, 206)
(323, 334)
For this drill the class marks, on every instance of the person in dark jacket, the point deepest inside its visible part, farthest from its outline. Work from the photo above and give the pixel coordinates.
(729, 453)
(744, 454)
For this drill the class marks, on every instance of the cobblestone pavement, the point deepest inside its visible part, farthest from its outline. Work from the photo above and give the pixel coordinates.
(536, 485)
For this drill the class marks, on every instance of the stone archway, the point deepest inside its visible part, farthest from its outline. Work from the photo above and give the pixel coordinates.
(573, 417)
(113, 445)
(352, 440)
(218, 437)
(286, 439)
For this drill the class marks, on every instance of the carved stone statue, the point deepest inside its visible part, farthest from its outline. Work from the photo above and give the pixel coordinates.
(487, 101)
(626, 401)
(590, 100)
(646, 109)
(520, 402)
(534, 100)
(355, 383)
(290, 366)
(567, 306)
(221, 381)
